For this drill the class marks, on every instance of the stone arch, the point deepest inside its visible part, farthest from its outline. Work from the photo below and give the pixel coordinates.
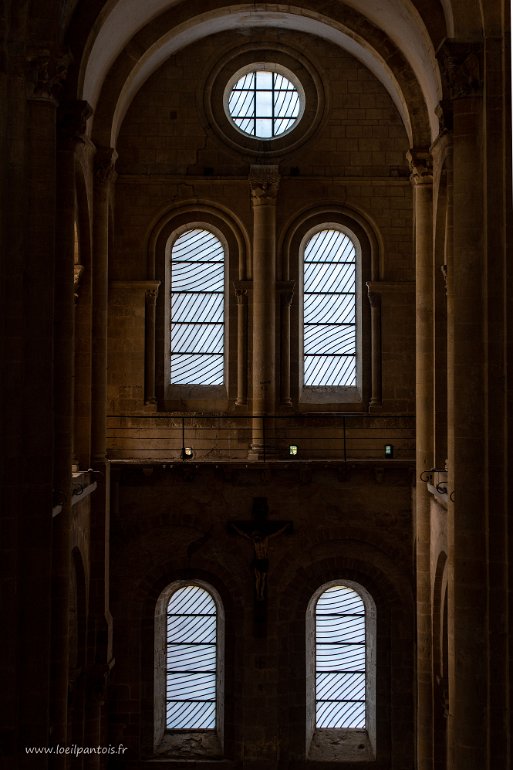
(362, 564)
(410, 89)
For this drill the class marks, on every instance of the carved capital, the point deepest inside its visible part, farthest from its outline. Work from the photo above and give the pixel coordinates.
(374, 298)
(421, 166)
(151, 295)
(286, 291)
(104, 165)
(72, 119)
(264, 182)
(461, 68)
(46, 74)
(443, 269)
(77, 275)
(241, 289)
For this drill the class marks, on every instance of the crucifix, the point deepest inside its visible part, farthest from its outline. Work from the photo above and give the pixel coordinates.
(260, 531)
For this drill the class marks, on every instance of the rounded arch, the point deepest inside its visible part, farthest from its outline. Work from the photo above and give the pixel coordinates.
(376, 573)
(175, 666)
(352, 218)
(219, 217)
(408, 70)
(292, 268)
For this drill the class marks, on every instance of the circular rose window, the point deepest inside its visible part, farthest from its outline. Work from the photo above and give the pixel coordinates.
(264, 101)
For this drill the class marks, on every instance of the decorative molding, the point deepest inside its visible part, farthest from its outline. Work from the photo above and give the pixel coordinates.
(461, 67)
(46, 74)
(421, 166)
(264, 181)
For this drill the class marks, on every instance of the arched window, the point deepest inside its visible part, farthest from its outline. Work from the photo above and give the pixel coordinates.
(197, 309)
(330, 310)
(341, 672)
(189, 669)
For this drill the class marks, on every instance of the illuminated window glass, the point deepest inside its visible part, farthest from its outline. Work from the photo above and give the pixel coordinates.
(264, 104)
(340, 659)
(329, 310)
(191, 660)
(197, 309)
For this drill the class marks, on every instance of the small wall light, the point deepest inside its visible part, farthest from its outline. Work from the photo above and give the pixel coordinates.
(187, 453)
(389, 451)
(293, 449)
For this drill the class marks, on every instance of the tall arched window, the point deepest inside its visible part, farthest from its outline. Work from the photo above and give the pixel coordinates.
(189, 669)
(330, 310)
(341, 671)
(197, 309)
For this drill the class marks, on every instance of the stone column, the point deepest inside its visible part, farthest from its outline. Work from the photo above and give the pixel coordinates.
(149, 345)
(376, 384)
(264, 181)
(286, 293)
(468, 737)
(103, 176)
(241, 296)
(422, 181)
(71, 128)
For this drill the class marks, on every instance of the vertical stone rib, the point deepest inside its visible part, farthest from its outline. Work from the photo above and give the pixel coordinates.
(422, 180)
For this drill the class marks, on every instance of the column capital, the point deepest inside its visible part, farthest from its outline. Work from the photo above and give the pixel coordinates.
(151, 294)
(286, 291)
(104, 165)
(421, 166)
(264, 181)
(241, 289)
(72, 117)
(77, 275)
(461, 67)
(46, 74)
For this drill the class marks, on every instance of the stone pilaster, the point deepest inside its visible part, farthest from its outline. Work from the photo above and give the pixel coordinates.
(467, 536)
(286, 294)
(151, 295)
(264, 182)
(376, 379)
(104, 173)
(242, 289)
(422, 181)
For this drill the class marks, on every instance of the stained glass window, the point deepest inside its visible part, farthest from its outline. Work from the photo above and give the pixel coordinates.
(264, 104)
(329, 310)
(191, 663)
(340, 665)
(197, 309)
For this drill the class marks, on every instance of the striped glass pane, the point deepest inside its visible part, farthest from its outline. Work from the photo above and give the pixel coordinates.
(340, 659)
(264, 104)
(191, 661)
(329, 310)
(197, 309)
